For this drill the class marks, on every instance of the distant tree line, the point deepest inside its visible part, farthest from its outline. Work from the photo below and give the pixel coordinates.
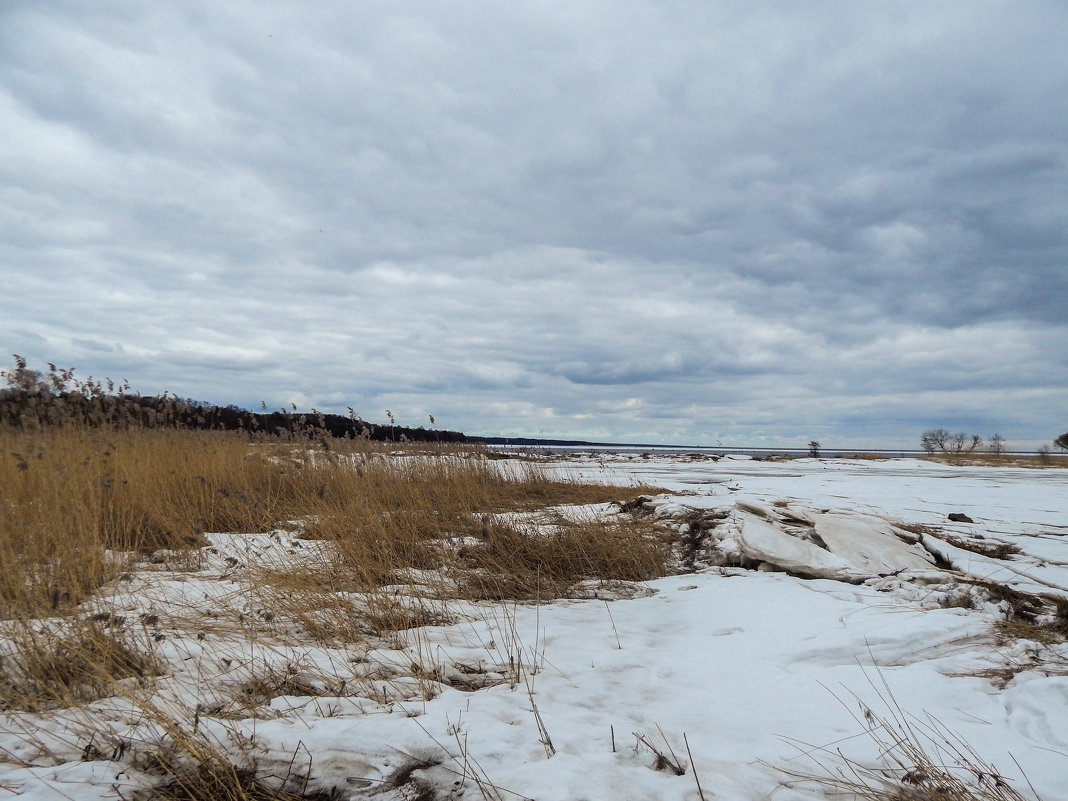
(31, 399)
(940, 440)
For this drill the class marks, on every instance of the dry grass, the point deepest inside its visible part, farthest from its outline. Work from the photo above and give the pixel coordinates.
(1047, 632)
(221, 780)
(995, 549)
(920, 529)
(69, 496)
(918, 759)
(1036, 619)
(79, 506)
(194, 767)
(67, 663)
(992, 548)
(412, 510)
(516, 562)
(1003, 460)
(392, 534)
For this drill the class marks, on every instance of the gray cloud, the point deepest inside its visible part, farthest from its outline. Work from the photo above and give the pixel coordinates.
(623, 221)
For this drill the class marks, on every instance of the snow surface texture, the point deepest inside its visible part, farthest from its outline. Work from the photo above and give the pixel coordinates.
(814, 592)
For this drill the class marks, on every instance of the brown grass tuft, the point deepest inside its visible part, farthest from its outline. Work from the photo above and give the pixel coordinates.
(221, 780)
(1046, 632)
(992, 548)
(529, 563)
(66, 664)
(918, 759)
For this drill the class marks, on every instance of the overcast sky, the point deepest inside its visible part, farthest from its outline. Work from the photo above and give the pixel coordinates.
(696, 221)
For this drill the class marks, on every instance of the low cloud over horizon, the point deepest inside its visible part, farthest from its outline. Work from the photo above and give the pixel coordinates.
(709, 222)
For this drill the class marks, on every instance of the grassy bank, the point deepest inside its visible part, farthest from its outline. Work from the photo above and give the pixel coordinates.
(77, 502)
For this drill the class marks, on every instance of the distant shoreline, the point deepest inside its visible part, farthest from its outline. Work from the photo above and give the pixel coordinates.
(716, 450)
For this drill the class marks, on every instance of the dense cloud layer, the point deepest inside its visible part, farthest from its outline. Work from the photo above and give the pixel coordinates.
(751, 223)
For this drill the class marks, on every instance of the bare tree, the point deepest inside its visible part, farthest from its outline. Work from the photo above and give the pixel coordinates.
(965, 443)
(935, 440)
(939, 440)
(814, 449)
(997, 443)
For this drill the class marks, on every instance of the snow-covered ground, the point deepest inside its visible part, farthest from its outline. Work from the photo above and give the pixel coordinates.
(820, 589)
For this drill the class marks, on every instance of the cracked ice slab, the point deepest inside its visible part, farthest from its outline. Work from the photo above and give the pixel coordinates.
(869, 544)
(764, 542)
